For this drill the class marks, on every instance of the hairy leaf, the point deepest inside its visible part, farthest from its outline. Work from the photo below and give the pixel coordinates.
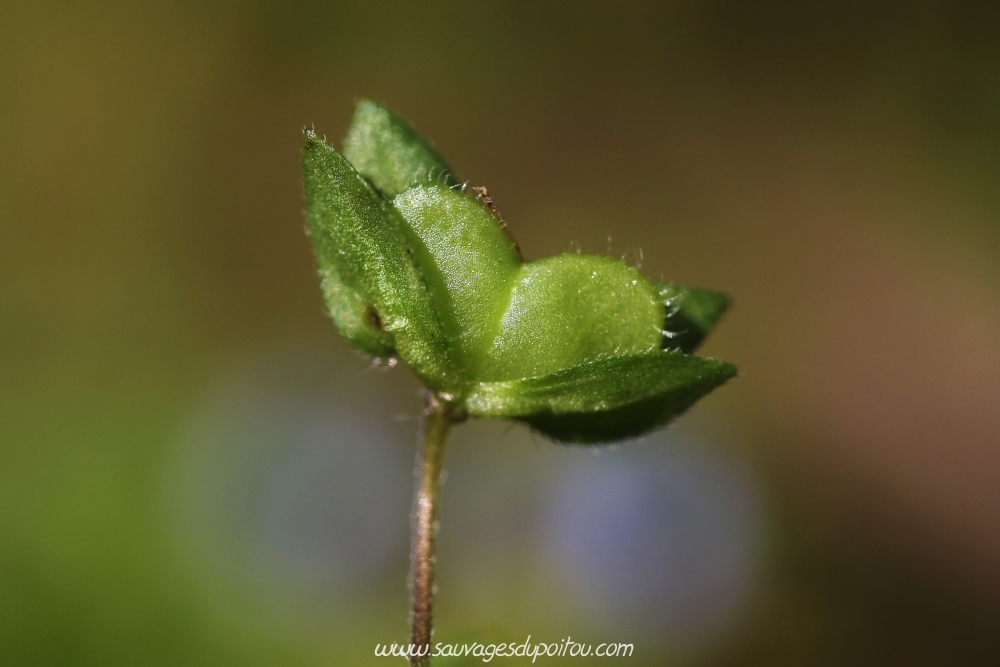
(374, 290)
(690, 315)
(608, 399)
(389, 153)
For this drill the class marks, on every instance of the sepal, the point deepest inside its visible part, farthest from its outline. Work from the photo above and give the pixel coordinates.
(690, 315)
(604, 400)
(389, 153)
(374, 290)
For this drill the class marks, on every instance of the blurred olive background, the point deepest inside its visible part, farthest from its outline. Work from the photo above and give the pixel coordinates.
(196, 470)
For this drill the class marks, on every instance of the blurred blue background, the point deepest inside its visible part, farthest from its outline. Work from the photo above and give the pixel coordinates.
(196, 470)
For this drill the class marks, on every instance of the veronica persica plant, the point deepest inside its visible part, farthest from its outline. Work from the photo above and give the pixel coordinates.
(415, 267)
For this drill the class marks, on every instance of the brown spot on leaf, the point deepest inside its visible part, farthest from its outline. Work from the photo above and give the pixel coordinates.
(373, 318)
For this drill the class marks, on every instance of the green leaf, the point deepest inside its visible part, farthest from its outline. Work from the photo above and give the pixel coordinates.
(466, 260)
(690, 315)
(374, 290)
(608, 399)
(569, 309)
(389, 153)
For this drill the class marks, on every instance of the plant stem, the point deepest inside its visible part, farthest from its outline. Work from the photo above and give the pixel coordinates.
(424, 525)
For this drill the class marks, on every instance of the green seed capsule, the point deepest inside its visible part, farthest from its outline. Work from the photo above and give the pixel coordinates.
(571, 309)
(583, 348)
(467, 263)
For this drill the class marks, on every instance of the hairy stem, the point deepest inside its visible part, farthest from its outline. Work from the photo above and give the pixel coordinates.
(436, 425)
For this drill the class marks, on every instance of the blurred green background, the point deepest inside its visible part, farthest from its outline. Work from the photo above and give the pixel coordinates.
(196, 470)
